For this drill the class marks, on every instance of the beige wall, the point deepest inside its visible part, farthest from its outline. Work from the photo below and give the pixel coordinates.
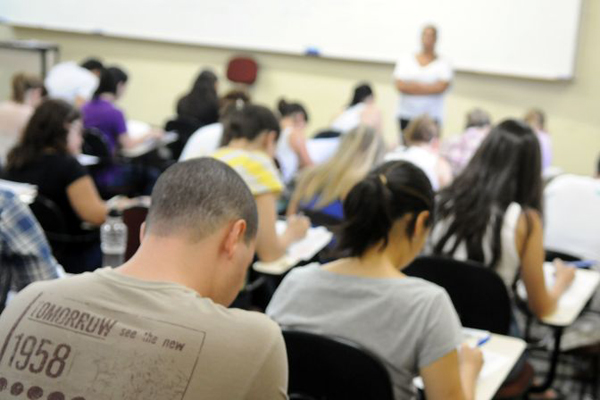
(160, 72)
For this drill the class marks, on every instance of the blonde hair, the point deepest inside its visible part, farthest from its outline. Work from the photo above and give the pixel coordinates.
(360, 149)
(21, 83)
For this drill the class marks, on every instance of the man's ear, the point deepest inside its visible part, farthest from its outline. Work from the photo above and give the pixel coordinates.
(142, 231)
(234, 235)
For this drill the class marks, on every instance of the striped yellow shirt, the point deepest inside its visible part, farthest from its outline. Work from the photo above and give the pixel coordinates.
(256, 168)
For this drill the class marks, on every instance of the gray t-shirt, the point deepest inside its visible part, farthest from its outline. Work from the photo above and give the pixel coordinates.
(106, 336)
(408, 322)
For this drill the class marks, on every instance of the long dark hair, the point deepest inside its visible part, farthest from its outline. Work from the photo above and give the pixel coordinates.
(387, 194)
(361, 92)
(109, 80)
(248, 123)
(46, 130)
(202, 102)
(288, 109)
(505, 169)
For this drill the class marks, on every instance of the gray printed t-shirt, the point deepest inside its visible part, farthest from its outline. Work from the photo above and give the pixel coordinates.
(106, 336)
(408, 322)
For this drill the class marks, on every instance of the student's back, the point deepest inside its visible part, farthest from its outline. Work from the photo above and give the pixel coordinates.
(114, 337)
(410, 324)
(156, 327)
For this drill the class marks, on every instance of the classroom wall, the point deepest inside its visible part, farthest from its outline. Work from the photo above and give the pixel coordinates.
(161, 72)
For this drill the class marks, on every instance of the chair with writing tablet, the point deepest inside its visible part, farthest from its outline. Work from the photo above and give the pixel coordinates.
(332, 368)
(481, 301)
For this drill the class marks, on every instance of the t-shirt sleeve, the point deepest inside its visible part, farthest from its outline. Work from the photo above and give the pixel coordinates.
(263, 177)
(446, 71)
(70, 170)
(271, 380)
(119, 122)
(441, 333)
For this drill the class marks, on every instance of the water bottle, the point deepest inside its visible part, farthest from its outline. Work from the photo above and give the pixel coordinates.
(113, 239)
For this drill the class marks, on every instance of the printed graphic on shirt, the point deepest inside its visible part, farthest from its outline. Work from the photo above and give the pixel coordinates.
(64, 349)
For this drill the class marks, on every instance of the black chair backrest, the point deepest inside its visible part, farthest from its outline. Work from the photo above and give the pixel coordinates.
(95, 144)
(327, 134)
(551, 255)
(185, 127)
(477, 292)
(318, 218)
(328, 368)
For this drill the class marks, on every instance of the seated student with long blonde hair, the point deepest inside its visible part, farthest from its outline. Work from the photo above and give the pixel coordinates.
(250, 139)
(408, 322)
(323, 187)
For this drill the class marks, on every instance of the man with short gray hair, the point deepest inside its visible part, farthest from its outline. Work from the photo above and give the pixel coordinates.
(156, 327)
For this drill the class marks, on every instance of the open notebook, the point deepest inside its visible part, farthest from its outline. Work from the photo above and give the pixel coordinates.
(305, 249)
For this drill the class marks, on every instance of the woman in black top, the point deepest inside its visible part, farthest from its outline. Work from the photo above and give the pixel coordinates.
(46, 157)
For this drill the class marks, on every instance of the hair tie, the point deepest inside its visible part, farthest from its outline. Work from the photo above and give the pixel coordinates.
(383, 179)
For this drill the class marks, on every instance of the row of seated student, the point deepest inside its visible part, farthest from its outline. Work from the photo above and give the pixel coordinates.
(251, 138)
(199, 239)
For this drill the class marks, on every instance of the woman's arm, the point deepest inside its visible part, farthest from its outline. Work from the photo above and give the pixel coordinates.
(270, 246)
(298, 144)
(541, 300)
(86, 201)
(453, 379)
(417, 88)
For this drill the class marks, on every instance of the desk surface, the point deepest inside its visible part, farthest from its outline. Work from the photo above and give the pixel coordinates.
(508, 347)
(500, 354)
(571, 303)
(149, 145)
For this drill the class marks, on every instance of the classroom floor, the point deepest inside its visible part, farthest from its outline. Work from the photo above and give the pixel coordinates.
(575, 374)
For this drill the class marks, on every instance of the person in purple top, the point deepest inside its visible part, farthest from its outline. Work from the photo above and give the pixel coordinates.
(102, 114)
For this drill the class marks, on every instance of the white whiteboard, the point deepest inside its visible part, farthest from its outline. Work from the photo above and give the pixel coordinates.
(529, 38)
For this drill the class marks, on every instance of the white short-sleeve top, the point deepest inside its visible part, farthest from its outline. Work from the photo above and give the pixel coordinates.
(408, 69)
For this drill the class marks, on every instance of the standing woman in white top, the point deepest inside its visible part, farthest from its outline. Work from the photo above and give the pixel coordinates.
(491, 214)
(422, 80)
(291, 152)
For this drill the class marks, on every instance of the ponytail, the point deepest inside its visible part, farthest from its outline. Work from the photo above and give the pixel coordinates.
(387, 194)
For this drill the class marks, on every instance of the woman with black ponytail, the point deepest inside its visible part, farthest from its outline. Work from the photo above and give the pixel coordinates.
(408, 322)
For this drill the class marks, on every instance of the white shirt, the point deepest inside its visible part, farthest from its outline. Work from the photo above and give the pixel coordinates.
(412, 106)
(203, 142)
(287, 157)
(422, 158)
(349, 119)
(68, 81)
(572, 216)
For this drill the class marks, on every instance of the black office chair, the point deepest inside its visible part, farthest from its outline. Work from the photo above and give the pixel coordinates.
(328, 368)
(328, 134)
(184, 127)
(54, 225)
(551, 255)
(481, 301)
(478, 294)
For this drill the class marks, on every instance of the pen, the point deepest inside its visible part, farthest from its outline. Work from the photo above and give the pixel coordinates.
(483, 340)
